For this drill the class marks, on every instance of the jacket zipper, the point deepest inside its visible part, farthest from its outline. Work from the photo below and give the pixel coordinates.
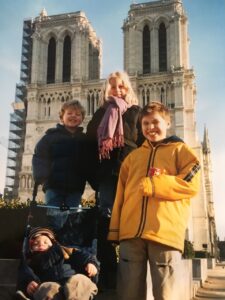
(145, 198)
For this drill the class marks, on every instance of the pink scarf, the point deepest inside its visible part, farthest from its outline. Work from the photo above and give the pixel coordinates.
(110, 130)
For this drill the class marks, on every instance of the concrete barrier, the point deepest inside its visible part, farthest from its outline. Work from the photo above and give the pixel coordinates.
(211, 263)
(199, 267)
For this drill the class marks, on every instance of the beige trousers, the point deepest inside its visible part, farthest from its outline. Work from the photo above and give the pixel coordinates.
(164, 264)
(78, 287)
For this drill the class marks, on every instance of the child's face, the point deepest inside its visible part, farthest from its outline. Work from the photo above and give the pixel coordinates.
(72, 118)
(154, 127)
(117, 88)
(41, 243)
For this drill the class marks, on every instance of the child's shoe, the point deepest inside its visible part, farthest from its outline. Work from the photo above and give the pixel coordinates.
(20, 295)
(48, 290)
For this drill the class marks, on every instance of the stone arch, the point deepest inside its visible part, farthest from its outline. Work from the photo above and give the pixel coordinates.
(48, 35)
(65, 32)
(161, 19)
(143, 22)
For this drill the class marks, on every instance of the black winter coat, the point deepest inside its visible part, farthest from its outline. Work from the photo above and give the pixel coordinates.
(132, 139)
(62, 160)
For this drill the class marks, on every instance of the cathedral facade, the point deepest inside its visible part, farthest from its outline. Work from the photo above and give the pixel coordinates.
(65, 63)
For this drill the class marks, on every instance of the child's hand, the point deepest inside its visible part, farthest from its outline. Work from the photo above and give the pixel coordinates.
(154, 172)
(91, 270)
(145, 186)
(32, 287)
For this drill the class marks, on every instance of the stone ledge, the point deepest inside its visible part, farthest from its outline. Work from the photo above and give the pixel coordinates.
(7, 292)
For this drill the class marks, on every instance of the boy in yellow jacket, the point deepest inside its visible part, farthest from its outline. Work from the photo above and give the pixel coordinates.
(151, 208)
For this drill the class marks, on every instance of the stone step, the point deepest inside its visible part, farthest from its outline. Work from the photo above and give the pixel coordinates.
(8, 278)
(7, 291)
(8, 271)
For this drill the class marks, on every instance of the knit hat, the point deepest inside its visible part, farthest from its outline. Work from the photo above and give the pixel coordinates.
(37, 231)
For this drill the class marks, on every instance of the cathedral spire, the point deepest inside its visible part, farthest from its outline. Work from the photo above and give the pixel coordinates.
(43, 13)
(205, 143)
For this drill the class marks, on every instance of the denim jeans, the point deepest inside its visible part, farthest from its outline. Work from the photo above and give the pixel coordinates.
(53, 197)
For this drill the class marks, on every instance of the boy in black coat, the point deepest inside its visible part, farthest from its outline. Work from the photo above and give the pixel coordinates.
(62, 163)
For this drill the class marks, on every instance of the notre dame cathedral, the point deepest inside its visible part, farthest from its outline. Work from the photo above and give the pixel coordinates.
(61, 60)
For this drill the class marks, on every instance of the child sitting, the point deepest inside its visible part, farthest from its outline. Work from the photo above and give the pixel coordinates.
(49, 271)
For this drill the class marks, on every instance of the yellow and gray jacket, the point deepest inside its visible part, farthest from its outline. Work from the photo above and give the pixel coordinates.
(155, 208)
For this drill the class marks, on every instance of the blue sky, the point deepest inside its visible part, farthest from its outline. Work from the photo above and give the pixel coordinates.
(207, 57)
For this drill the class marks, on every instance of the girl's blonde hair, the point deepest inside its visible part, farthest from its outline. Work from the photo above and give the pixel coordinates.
(130, 97)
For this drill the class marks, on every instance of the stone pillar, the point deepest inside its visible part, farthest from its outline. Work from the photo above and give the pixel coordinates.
(59, 61)
(74, 56)
(35, 56)
(83, 59)
(177, 42)
(185, 43)
(154, 50)
(132, 52)
(43, 62)
(139, 51)
(126, 49)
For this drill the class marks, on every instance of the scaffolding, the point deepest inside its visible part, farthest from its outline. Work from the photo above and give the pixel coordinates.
(17, 128)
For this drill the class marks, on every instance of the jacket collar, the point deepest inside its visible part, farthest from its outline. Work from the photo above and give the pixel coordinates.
(61, 128)
(168, 140)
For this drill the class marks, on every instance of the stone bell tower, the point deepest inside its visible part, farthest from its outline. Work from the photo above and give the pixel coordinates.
(156, 56)
(65, 64)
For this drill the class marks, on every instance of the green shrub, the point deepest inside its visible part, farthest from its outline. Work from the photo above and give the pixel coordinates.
(188, 250)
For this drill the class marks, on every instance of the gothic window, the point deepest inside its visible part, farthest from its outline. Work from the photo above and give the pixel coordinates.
(92, 104)
(23, 182)
(49, 107)
(97, 100)
(162, 96)
(92, 101)
(93, 62)
(146, 51)
(89, 104)
(29, 182)
(66, 59)
(44, 108)
(145, 96)
(51, 61)
(162, 48)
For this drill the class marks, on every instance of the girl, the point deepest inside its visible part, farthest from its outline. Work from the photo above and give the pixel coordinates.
(116, 131)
